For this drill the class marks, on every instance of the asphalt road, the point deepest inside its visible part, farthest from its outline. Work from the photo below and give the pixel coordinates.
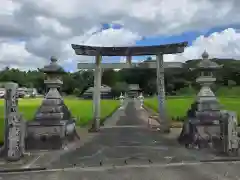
(132, 151)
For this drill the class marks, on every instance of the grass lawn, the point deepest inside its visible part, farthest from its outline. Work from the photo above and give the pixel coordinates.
(177, 107)
(81, 110)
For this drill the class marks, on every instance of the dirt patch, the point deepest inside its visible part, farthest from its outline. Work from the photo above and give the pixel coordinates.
(154, 116)
(174, 124)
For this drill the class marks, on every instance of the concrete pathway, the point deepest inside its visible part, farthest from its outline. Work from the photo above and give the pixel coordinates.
(191, 171)
(129, 141)
(112, 120)
(44, 158)
(127, 149)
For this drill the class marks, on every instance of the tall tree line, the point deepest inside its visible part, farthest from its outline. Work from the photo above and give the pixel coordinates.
(175, 79)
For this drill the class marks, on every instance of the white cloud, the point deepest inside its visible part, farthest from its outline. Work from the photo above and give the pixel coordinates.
(223, 44)
(8, 7)
(15, 55)
(52, 26)
(38, 29)
(111, 37)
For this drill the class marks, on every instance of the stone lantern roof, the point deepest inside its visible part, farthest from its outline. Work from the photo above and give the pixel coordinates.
(205, 55)
(53, 67)
(206, 63)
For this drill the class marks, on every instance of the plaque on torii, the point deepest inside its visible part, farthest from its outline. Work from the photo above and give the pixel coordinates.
(128, 52)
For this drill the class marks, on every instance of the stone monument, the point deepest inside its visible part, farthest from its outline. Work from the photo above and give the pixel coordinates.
(53, 125)
(229, 135)
(14, 125)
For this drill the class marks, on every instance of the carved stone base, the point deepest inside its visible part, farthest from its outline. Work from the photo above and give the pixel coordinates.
(49, 136)
(164, 127)
(201, 135)
(93, 129)
(95, 126)
(44, 142)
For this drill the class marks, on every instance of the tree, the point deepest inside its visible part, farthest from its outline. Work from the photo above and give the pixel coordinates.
(175, 79)
(119, 87)
(231, 83)
(109, 77)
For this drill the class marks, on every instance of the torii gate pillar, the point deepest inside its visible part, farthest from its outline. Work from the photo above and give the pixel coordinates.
(97, 95)
(164, 123)
(129, 60)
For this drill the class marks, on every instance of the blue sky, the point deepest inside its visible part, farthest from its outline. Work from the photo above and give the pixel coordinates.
(186, 36)
(189, 36)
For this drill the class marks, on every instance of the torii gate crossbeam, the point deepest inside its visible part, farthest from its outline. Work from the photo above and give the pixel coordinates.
(159, 51)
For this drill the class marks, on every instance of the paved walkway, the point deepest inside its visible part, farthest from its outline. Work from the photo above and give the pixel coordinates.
(44, 158)
(129, 141)
(127, 149)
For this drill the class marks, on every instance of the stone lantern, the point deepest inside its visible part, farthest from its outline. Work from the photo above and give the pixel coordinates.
(121, 97)
(205, 111)
(141, 98)
(206, 68)
(53, 125)
(206, 99)
(206, 108)
(53, 73)
(207, 125)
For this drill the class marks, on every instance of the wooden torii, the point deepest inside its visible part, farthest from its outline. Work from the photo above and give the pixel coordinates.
(159, 51)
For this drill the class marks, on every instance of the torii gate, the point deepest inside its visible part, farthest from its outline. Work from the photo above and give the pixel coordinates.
(159, 51)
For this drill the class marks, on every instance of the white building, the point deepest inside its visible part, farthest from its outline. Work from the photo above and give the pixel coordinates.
(2, 92)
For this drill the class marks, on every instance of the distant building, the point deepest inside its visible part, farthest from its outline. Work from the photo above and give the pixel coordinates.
(106, 92)
(31, 92)
(21, 91)
(27, 92)
(2, 92)
(133, 90)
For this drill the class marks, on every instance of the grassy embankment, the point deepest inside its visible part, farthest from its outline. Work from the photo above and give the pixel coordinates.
(81, 110)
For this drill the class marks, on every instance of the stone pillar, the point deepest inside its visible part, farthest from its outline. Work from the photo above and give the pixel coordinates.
(97, 94)
(13, 136)
(129, 60)
(6, 110)
(164, 124)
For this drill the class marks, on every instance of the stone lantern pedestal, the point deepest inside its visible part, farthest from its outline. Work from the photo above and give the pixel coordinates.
(53, 125)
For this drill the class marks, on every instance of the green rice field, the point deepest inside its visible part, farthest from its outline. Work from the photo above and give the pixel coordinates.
(177, 107)
(81, 110)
